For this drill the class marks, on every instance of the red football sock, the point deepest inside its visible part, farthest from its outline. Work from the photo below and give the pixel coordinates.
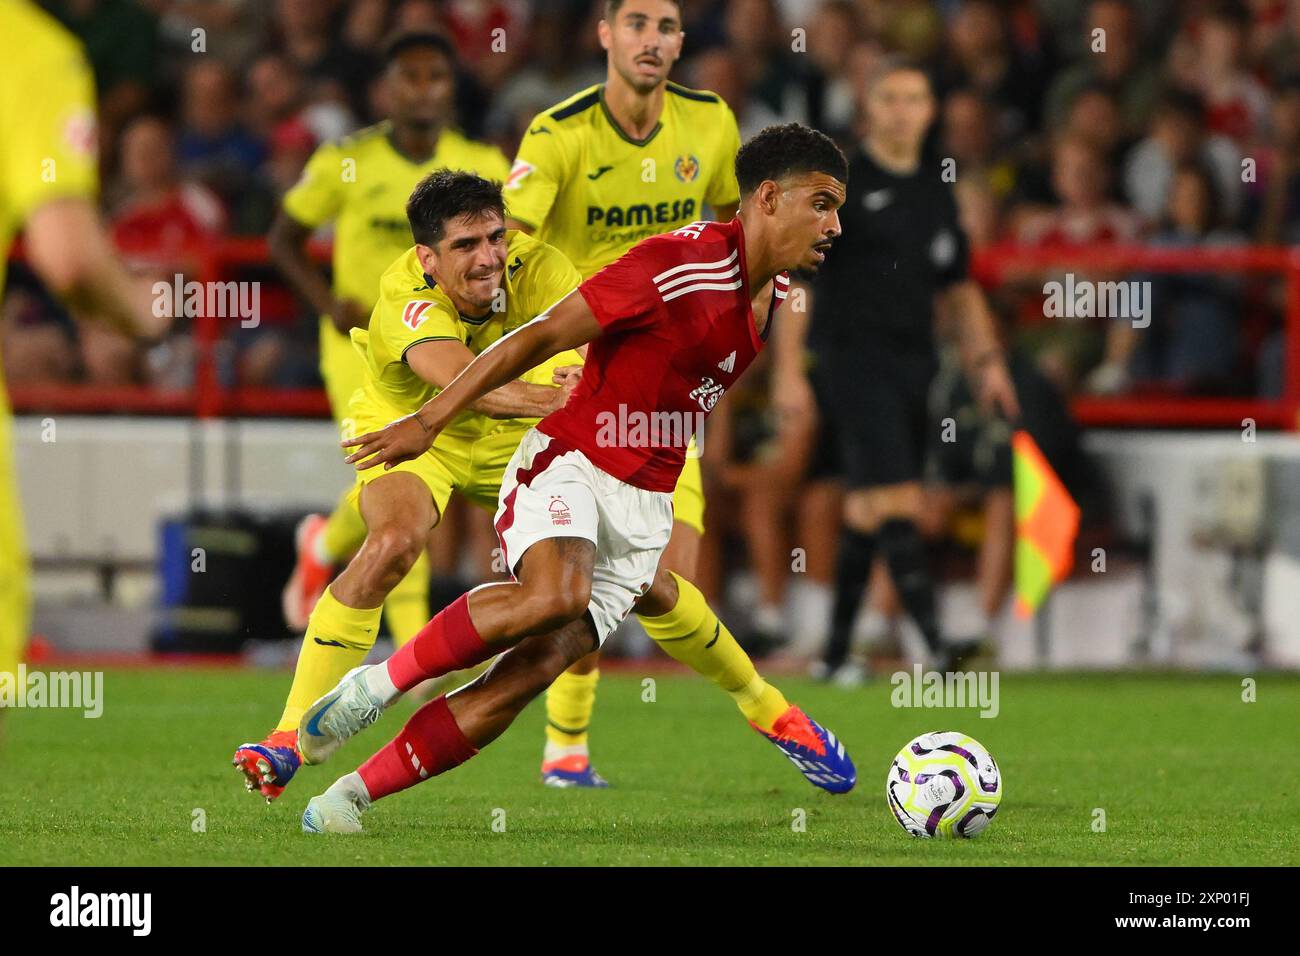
(429, 744)
(447, 643)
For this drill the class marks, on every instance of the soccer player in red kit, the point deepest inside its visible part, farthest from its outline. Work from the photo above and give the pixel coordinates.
(586, 505)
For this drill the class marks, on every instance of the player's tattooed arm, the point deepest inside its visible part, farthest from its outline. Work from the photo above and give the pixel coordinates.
(567, 325)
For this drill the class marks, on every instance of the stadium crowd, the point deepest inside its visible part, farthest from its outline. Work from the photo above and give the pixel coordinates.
(1061, 135)
(1071, 124)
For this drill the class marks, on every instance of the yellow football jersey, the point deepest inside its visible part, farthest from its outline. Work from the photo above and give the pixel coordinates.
(593, 193)
(47, 118)
(361, 183)
(412, 309)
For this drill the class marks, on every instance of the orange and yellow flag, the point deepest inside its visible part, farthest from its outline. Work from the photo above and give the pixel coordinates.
(1047, 522)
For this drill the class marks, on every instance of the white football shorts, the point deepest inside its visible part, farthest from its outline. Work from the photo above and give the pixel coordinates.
(551, 490)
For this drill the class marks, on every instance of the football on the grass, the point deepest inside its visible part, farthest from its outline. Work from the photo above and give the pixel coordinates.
(944, 784)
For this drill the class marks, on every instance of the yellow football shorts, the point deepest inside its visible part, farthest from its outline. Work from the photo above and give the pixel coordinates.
(688, 496)
(342, 368)
(474, 467)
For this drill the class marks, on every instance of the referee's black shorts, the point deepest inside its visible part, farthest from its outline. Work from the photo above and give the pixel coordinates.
(875, 417)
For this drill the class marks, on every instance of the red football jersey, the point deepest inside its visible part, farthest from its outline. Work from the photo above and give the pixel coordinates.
(678, 331)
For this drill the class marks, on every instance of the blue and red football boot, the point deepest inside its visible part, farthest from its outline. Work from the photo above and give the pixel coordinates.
(270, 765)
(817, 753)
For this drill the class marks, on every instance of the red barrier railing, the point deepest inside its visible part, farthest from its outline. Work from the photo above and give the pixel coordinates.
(993, 266)
(998, 264)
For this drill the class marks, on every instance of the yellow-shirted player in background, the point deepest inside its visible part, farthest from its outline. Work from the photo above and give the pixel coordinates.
(465, 283)
(361, 185)
(48, 182)
(629, 158)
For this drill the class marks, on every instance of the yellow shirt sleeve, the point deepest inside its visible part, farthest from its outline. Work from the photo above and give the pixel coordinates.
(408, 321)
(534, 180)
(723, 187)
(49, 148)
(552, 277)
(317, 196)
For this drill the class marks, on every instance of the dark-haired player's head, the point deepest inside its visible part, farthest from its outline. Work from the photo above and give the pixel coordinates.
(792, 182)
(420, 79)
(643, 39)
(458, 221)
(898, 104)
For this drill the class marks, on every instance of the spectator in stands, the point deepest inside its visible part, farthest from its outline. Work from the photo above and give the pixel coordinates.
(231, 30)
(771, 72)
(981, 58)
(38, 339)
(1191, 343)
(490, 36)
(969, 137)
(912, 30)
(305, 34)
(551, 75)
(1178, 136)
(1273, 207)
(977, 211)
(1274, 42)
(1112, 59)
(275, 92)
(157, 219)
(213, 146)
(1082, 216)
(1208, 59)
(1094, 116)
(720, 70)
(365, 24)
(832, 93)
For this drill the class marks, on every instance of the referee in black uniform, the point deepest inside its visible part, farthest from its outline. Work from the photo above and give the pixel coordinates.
(866, 359)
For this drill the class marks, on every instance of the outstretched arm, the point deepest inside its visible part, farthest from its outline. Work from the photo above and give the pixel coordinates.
(568, 325)
(439, 361)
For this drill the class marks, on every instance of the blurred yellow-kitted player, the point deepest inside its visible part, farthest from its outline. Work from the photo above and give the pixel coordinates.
(361, 184)
(629, 158)
(48, 183)
(482, 282)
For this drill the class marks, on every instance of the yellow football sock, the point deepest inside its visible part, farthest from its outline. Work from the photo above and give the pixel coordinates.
(406, 609)
(345, 530)
(691, 633)
(338, 638)
(569, 703)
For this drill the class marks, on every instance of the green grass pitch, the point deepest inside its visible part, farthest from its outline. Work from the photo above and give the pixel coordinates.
(1185, 771)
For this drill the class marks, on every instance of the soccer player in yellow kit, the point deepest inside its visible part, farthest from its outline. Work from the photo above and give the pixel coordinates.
(48, 182)
(630, 158)
(466, 283)
(360, 184)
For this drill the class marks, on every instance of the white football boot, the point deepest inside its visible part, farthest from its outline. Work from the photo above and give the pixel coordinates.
(342, 713)
(338, 809)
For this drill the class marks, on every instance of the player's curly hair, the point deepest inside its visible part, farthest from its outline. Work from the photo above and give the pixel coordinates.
(449, 194)
(780, 151)
(399, 43)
